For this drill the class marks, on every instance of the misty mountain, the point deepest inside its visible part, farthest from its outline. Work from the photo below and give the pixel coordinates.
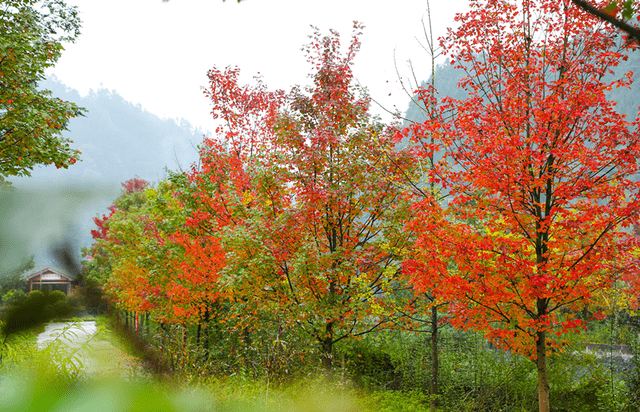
(119, 140)
(446, 83)
(53, 209)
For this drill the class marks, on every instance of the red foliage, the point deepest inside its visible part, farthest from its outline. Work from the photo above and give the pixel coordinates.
(299, 191)
(538, 170)
(134, 185)
(101, 223)
(130, 186)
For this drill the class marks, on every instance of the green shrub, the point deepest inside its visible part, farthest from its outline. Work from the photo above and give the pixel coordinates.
(55, 296)
(61, 309)
(13, 297)
(472, 375)
(25, 314)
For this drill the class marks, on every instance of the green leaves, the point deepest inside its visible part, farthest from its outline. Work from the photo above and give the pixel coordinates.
(625, 8)
(32, 120)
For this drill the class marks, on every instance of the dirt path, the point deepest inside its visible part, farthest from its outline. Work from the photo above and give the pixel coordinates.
(90, 349)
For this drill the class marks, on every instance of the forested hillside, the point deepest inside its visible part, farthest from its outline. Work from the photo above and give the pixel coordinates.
(118, 141)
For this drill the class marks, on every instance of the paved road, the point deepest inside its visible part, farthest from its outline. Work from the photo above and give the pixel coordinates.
(89, 349)
(79, 332)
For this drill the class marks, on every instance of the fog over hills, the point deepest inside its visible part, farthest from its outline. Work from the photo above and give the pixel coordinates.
(447, 78)
(118, 141)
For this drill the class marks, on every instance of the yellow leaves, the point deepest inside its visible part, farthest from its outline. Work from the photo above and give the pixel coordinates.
(377, 309)
(393, 250)
(614, 299)
(361, 285)
(247, 198)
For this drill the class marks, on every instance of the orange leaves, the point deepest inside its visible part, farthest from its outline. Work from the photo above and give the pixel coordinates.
(613, 8)
(300, 193)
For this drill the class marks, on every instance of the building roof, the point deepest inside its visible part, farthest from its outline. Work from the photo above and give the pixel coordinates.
(46, 270)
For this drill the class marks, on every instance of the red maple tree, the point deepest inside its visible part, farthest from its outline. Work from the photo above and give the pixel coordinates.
(303, 192)
(536, 172)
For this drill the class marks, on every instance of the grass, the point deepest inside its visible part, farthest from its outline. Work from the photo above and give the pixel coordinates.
(34, 385)
(315, 393)
(35, 394)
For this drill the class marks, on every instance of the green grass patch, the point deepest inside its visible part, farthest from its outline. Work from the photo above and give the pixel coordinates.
(35, 393)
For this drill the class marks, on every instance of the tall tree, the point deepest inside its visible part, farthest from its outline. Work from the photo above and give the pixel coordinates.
(426, 301)
(306, 193)
(32, 33)
(148, 260)
(538, 171)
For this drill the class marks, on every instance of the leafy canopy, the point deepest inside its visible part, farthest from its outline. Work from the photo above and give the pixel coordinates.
(537, 172)
(32, 34)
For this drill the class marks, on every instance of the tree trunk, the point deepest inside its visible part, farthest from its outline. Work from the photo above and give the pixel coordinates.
(327, 354)
(543, 381)
(184, 345)
(434, 360)
(205, 340)
(327, 347)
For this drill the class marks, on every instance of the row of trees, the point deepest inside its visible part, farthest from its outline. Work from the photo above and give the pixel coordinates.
(301, 209)
(506, 211)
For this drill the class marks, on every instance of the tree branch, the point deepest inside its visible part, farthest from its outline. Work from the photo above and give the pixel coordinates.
(632, 31)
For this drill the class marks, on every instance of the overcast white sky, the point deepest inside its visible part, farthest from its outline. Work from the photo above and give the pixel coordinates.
(157, 53)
